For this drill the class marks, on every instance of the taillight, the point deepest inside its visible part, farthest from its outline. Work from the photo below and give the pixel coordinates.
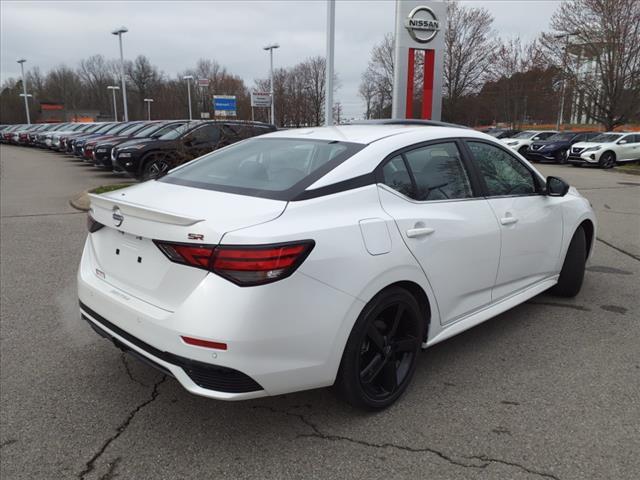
(92, 224)
(243, 265)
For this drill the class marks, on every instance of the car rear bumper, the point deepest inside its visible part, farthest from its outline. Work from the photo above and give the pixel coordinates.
(282, 337)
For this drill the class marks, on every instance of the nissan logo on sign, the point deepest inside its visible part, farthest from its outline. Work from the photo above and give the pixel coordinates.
(422, 24)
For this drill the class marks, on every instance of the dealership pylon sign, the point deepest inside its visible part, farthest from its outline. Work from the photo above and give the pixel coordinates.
(420, 25)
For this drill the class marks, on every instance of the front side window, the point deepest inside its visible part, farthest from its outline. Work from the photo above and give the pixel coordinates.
(503, 174)
(264, 167)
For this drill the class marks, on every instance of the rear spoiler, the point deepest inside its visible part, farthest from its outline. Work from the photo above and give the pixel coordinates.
(102, 205)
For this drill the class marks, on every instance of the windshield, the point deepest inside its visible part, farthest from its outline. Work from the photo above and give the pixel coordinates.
(525, 134)
(130, 129)
(605, 138)
(102, 128)
(267, 167)
(148, 130)
(559, 137)
(175, 133)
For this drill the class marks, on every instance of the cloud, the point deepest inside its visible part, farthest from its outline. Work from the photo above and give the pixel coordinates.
(174, 35)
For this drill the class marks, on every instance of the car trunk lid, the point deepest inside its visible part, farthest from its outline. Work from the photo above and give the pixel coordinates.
(124, 251)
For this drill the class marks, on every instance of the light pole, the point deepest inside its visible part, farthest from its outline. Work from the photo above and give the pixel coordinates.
(564, 76)
(148, 100)
(331, 30)
(188, 78)
(24, 90)
(113, 89)
(119, 32)
(271, 48)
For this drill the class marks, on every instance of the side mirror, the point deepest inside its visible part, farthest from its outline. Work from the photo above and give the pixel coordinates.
(556, 187)
(622, 142)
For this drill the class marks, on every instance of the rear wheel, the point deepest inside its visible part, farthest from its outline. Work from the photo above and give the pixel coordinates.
(155, 165)
(607, 160)
(561, 157)
(523, 150)
(380, 356)
(572, 273)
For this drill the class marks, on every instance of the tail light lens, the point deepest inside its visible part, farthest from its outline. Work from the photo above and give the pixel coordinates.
(244, 265)
(92, 224)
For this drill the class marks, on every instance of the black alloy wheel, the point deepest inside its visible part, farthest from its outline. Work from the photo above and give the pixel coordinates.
(155, 166)
(523, 150)
(607, 160)
(561, 156)
(381, 353)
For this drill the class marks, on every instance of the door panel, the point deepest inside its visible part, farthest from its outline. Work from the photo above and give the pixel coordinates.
(457, 243)
(531, 228)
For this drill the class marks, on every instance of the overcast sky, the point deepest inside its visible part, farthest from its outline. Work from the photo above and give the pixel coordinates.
(174, 35)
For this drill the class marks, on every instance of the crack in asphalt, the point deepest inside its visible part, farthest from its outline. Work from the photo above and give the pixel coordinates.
(90, 465)
(484, 460)
(6, 443)
(123, 357)
(635, 257)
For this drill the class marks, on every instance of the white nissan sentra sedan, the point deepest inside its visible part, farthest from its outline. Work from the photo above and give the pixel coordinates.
(326, 256)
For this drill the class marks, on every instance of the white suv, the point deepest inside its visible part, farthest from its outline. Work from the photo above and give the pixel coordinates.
(306, 258)
(523, 140)
(606, 150)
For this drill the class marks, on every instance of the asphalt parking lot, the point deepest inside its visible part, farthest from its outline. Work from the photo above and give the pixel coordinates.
(550, 389)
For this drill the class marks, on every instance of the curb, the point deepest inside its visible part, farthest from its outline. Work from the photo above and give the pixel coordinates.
(80, 201)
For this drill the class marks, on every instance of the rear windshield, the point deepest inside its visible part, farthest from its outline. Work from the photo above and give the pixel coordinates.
(278, 168)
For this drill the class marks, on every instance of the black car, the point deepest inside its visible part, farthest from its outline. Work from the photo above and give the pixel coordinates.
(554, 149)
(149, 130)
(151, 158)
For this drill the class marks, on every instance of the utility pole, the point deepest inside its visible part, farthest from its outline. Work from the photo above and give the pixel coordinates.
(331, 30)
(113, 89)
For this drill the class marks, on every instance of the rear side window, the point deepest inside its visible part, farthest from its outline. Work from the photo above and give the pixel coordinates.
(277, 168)
(397, 176)
(434, 172)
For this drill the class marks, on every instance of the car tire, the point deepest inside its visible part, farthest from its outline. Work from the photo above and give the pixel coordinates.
(154, 165)
(572, 273)
(522, 150)
(381, 353)
(561, 157)
(607, 160)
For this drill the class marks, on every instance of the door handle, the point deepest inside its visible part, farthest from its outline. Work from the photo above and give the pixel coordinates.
(508, 220)
(420, 232)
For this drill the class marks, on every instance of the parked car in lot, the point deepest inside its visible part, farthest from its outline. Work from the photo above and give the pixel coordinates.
(102, 153)
(606, 149)
(79, 141)
(152, 158)
(521, 141)
(67, 139)
(503, 132)
(122, 130)
(327, 256)
(556, 148)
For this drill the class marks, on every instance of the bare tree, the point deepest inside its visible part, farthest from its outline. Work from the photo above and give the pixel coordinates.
(469, 52)
(604, 34)
(377, 79)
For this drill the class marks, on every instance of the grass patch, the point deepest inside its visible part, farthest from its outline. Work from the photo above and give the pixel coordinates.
(109, 188)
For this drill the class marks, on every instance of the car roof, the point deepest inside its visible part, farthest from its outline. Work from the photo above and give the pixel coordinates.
(368, 133)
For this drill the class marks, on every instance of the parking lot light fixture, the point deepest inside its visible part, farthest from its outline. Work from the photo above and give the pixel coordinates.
(24, 90)
(188, 78)
(271, 48)
(113, 89)
(119, 31)
(148, 102)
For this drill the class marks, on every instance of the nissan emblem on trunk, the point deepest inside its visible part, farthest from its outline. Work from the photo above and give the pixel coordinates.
(118, 218)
